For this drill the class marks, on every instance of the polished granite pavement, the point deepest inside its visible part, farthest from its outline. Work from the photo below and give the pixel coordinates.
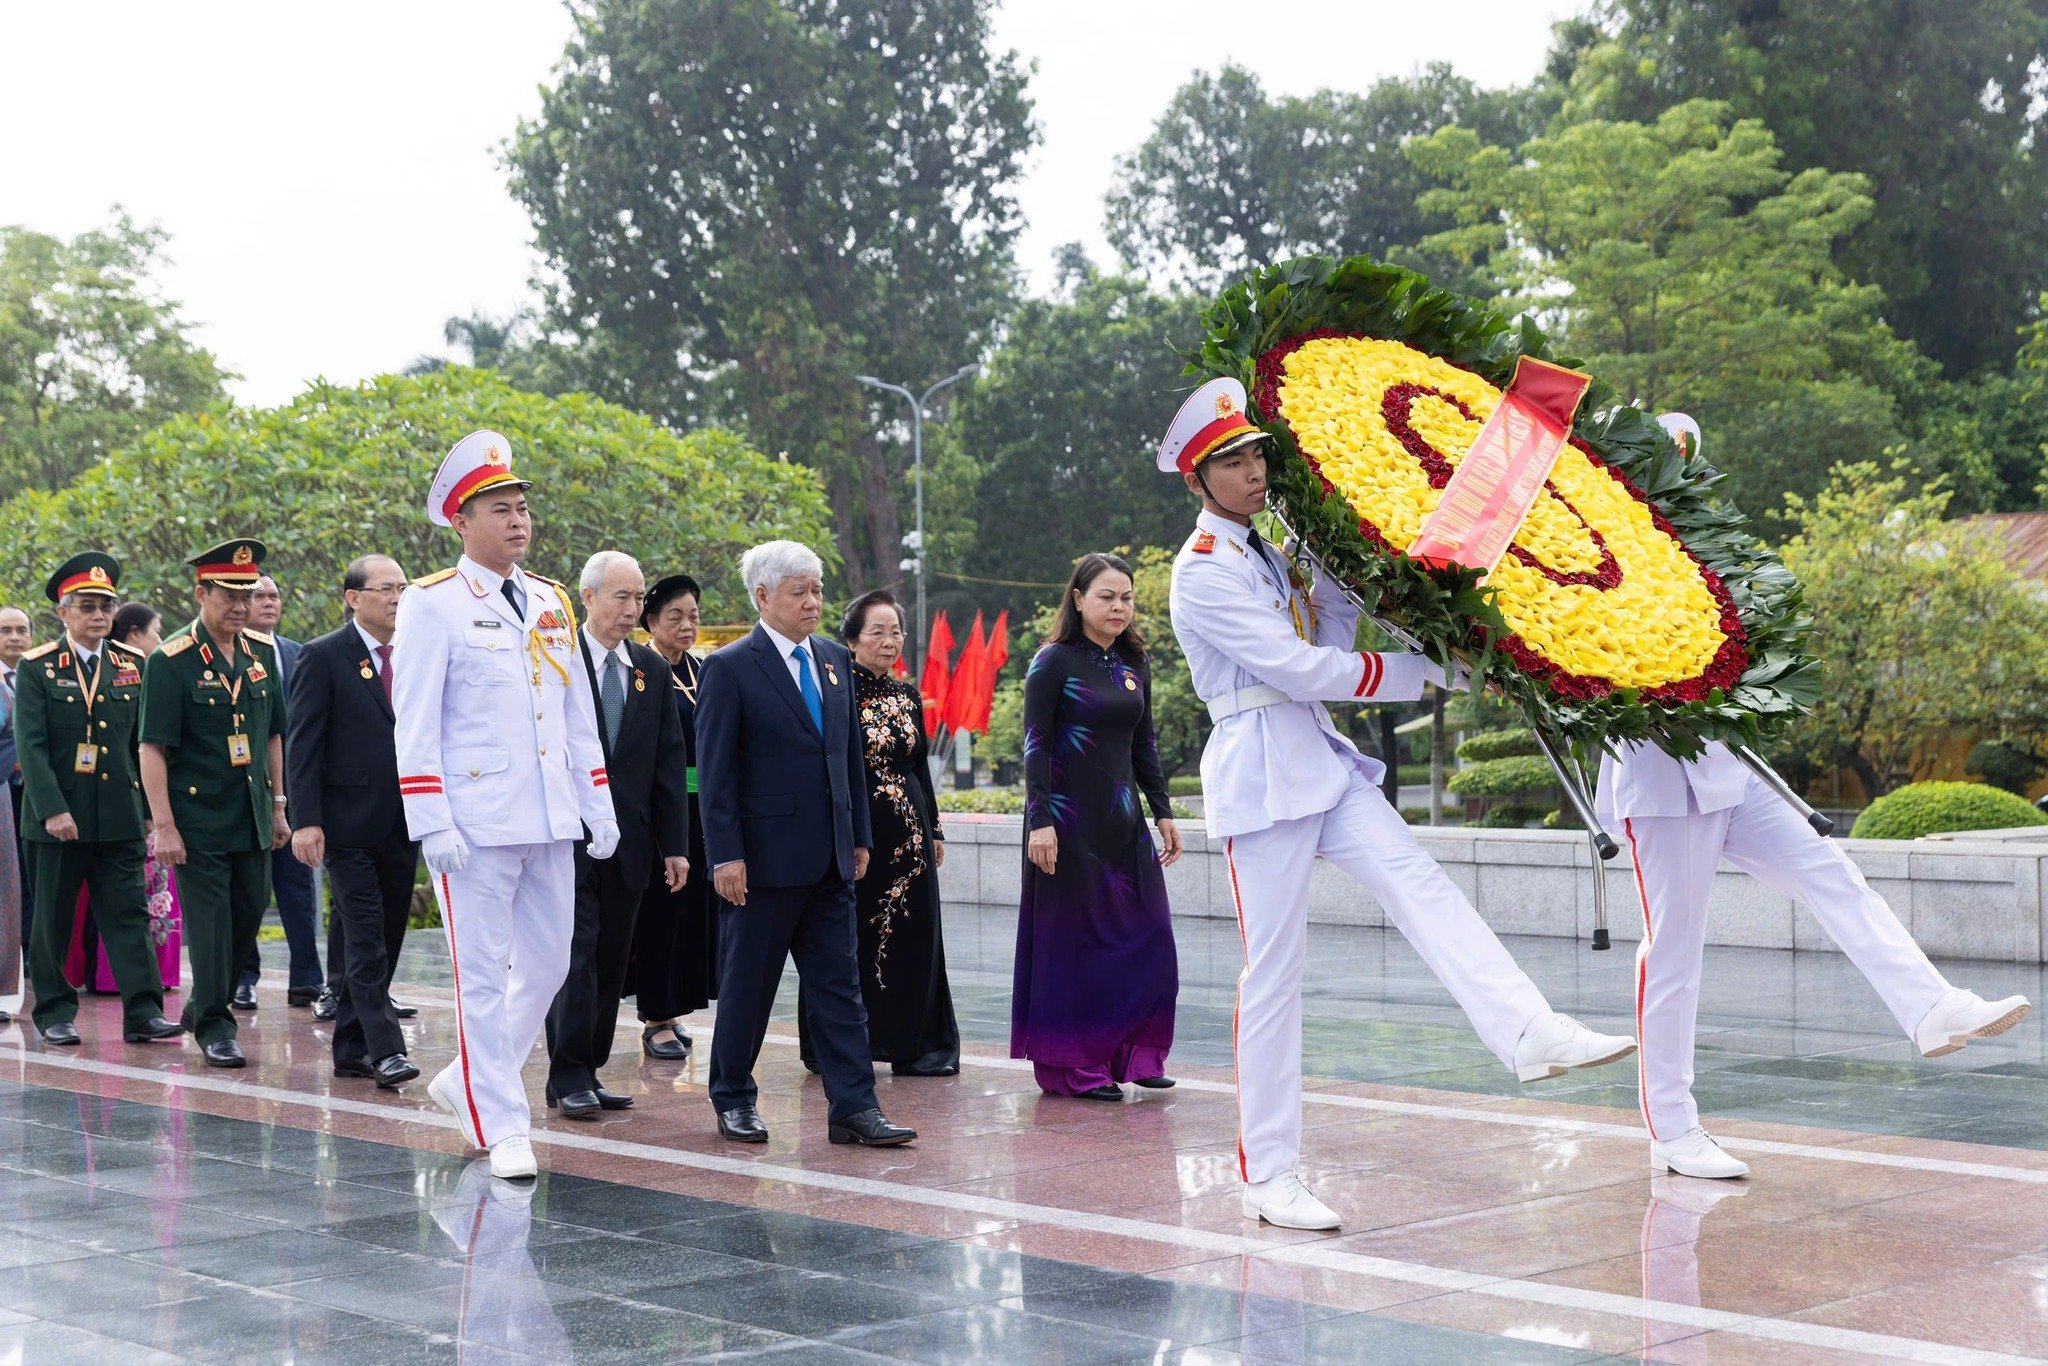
(1898, 1209)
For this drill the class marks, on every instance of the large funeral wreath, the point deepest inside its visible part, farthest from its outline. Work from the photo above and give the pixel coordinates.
(1633, 604)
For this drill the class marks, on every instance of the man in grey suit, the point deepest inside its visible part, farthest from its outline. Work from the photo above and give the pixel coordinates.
(290, 880)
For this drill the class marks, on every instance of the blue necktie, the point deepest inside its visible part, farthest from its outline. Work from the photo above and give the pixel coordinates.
(808, 686)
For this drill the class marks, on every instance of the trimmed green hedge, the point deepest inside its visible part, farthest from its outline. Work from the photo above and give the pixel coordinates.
(1504, 777)
(1509, 816)
(1498, 744)
(1936, 808)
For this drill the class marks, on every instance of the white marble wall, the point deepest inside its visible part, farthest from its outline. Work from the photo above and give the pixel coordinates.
(1960, 898)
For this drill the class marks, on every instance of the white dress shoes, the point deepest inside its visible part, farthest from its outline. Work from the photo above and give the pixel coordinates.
(1554, 1044)
(512, 1159)
(1285, 1203)
(1694, 1153)
(442, 1091)
(1962, 1016)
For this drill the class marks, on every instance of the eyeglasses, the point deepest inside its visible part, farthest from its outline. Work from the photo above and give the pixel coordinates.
(385, 590)
(885, 633)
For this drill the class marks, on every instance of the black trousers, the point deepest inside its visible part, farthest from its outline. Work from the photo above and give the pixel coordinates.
(815, 925)
(586, 1010)
(28, 889)
(372, 897)
(113, 869)
(292, 883)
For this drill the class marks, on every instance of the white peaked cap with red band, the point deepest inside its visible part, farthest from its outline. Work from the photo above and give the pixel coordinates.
(1212, 421)
(479, 462)
(1683, 430)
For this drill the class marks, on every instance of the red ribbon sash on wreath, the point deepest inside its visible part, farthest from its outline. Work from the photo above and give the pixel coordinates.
(1496, 483)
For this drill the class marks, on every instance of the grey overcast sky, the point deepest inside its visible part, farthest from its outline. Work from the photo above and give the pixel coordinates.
(329, 174)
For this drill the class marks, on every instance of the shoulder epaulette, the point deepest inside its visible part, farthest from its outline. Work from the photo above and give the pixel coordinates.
(1204, 543)
(542, 578)
(123, 647)
(439, 576)
(260, 638)
(177, 644)
(568, 603)
(46, 648)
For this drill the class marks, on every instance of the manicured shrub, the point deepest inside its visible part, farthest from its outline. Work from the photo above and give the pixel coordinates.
(1935, 808)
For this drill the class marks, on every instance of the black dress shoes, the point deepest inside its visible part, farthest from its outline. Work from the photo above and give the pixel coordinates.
(63, 1035)
(394, 1071)
(157, 1027)
(612, 1100)
(1107, 1091)
(326, 1006)
(355, 1067)
(1154, 1083)
(403, 1011)
(577, 1104)
(672, 1049)
(934, 1064)
(870, 1130)
(226, 1053)
(244, 998)
(742, 1124)
(302, 996)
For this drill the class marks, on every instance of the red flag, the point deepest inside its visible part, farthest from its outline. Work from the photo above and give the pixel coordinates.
(900, 669)
(962, 696)
(937, 679)
(998, 648)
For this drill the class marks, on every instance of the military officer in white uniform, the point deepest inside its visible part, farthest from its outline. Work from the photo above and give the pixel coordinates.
(1264, 651)
(501, 771)
(1680, 819)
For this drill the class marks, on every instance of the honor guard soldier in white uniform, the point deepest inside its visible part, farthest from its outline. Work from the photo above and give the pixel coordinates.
(1265, 649)
(1680, 820)
(501, 771)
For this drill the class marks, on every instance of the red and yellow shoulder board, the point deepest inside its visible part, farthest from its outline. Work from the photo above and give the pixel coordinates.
(45, 648)
(430, 580)
(1204, 543)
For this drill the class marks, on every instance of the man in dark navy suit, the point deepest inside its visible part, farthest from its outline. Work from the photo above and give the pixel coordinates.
(649, 770)
(783, 791)
(346, 813)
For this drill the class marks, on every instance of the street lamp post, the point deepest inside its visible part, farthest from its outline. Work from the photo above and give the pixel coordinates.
(915, 541)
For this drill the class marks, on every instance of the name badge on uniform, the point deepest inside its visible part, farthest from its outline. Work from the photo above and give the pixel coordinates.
(239, 753)
(86, 759)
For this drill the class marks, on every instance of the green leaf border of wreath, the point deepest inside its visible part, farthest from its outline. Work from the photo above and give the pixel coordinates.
(1448, 611)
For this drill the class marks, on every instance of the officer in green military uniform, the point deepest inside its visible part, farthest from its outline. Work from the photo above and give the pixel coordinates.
(213, 771)
(76, 700)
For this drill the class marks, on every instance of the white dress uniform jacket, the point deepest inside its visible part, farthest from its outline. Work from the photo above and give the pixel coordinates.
(1234, 611)
(1646, 781)
(496, 726)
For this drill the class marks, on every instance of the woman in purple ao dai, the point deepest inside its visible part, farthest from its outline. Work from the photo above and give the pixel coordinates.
(1096, 973)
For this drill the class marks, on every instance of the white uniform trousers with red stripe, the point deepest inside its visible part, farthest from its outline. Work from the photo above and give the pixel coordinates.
(1675, 859)
(509, 914)
(1269, 873)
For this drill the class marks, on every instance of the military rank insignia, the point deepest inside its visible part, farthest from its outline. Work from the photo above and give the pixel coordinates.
(1204, 543)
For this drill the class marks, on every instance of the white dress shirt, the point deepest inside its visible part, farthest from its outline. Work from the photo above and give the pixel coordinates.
(370, 642)
(788, 648)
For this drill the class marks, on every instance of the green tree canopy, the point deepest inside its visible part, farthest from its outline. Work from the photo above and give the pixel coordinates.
(343, 470)
(1925, 630)
(1939, 106)
(749, 202)
(1231, 180)
(1063, 425)
(1688, 269)
(91, 353)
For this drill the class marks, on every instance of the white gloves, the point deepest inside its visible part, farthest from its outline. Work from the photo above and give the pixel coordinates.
(445, 851)
(604, 839)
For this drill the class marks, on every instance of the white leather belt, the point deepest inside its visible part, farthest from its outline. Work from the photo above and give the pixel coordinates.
(1245, 699)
